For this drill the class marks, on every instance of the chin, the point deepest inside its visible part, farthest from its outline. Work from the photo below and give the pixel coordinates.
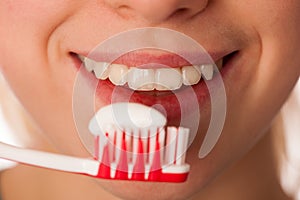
(133, 190)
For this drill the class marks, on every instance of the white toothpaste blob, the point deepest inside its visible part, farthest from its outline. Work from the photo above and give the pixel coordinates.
(126, 116)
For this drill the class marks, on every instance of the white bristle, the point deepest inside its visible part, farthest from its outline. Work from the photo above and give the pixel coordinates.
(97, 147)
(147, 171)
(152, 143)
(102, 142)
(111, 138)
(145, 137)
(113, 167)
(130, 170)
(136, 136)
(162, 135)
(171, 145)
(182, 142)
(118, 147)
(129, 141)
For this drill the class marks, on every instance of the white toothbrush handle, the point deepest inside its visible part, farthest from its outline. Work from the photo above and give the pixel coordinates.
(49, 160)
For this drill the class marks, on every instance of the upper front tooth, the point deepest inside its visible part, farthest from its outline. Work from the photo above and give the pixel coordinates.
(101, 70)
(190, 75)
(170, 78)
(141, 79)
(207, 70)
(149, 79)
(118, 74)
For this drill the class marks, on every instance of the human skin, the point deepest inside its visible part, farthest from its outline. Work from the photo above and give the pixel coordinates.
(38, 36)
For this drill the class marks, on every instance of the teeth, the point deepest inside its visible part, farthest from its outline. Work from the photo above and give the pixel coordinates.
(101, 70)
(89, 64)
(118, 74)
(207, 71)
(149, 79)
(190, 75)
(141, 79)
(169, 78)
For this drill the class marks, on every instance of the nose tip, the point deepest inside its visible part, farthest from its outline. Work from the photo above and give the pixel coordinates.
(159, 10)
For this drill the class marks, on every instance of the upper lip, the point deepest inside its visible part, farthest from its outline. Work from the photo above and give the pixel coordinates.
(143, 57)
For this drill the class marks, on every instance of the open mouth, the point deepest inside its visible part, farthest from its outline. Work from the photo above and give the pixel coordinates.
(151, 76)
(176, 87)
(162, 69)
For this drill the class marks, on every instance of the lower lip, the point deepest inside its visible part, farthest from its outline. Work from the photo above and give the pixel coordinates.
(174, 104)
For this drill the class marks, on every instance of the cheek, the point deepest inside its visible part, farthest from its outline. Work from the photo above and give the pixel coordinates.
(25, 30)
(279, 66)
(23, 46)
(27, 26)
(277, 25)
(29, 29)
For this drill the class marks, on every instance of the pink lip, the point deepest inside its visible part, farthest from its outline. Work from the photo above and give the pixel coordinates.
(141, 58)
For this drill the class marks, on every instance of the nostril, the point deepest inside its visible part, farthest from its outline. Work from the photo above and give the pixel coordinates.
(156, 11)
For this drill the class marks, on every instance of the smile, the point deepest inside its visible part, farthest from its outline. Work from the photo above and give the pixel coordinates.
(151, 76)
(159, 68)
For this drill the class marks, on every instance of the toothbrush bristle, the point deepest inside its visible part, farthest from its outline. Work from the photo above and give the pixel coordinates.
(104, 168)
(122, 166)
(171, 145)
(143, 155)
(155, 170)
(97, 138)
(139, 165)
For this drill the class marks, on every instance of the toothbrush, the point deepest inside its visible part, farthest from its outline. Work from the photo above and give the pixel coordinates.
(136, 147)
(128, 156)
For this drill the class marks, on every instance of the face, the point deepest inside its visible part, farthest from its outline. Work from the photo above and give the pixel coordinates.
(258, 42)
